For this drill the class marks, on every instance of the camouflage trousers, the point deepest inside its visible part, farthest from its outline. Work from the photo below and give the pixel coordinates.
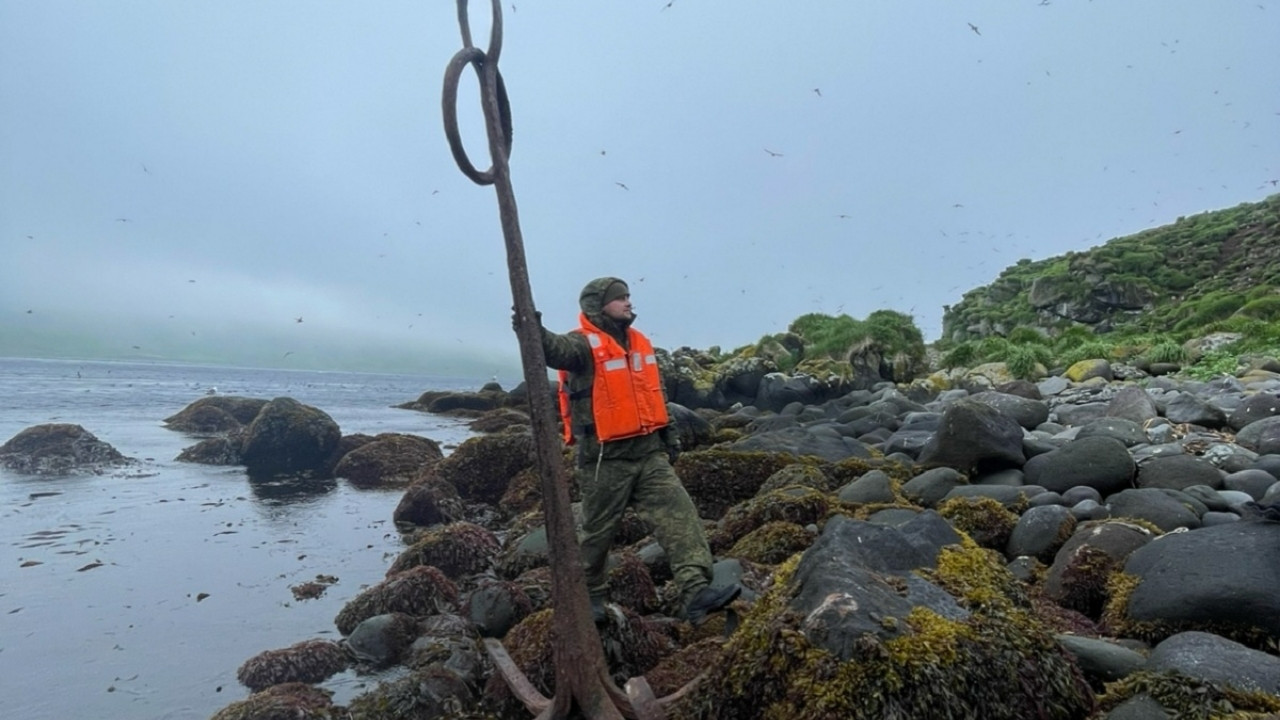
(650, 487)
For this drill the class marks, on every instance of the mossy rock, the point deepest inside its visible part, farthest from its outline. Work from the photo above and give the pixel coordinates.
(795, 504)
(803, 474)
(718, 479)
(215, 414)
(429, 693)
(1000, 662)
(1190, 698)
(482, 467)
(850, 469)
(388, 459)
(633, 645)
(982, 518)
(291, 701)
(457, 549)
(1087, 369)
(421, 591)
(631, 585)
(772, 543)
(310, 661)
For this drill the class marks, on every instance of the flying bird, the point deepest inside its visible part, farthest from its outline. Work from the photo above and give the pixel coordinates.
(974, 28)
(298, 319)
(624, 187)
(772, 153)
(819, 92)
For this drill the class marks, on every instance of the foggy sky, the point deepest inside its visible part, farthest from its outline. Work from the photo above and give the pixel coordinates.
(192, 178)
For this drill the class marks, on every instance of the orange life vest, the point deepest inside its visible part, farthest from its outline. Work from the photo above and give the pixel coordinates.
(626, 389)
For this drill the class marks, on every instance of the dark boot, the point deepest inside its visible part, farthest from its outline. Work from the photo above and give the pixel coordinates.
(708, 600)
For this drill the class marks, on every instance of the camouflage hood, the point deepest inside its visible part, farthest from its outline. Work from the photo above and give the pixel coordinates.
(591, 302)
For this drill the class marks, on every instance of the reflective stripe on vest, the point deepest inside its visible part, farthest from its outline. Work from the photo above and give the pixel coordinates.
(626, 391)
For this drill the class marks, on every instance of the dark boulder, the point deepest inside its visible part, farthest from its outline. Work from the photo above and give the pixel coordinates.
(59, 449)
(1261, 436)
(289, 437)
(1178, 472)
(215, 414)
(382, 640)
(1253, 408)
(690, 428)
(1208, 657)
(1081, 571)
(1126, 431)
(431, 501)
(1184, 407)
(1166, 509)
(822, 441)
(1133, 403)
(482, 467)
(974, 436)
(214, 451)
(1026, 412)
(1102, 463)
(1215, 577)
(390, 459)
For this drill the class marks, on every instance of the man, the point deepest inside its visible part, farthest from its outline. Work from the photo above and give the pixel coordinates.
(614, 409)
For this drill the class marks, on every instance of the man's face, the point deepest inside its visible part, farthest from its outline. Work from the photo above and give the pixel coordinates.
(619, 309)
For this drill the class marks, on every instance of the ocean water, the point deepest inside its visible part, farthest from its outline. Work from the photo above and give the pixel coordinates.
(138, 594)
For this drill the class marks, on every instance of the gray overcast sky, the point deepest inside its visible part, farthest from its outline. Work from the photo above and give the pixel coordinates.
(289, 158)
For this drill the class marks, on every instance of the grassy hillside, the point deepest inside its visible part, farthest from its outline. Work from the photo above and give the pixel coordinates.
(1182, 278)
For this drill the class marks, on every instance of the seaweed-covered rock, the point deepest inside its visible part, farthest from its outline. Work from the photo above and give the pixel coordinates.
(795, 504)
(632, 646)
(430, 501)
(215, 414)
(215, 451)
(1220, 579)
(771, 543)
(981, 518)
(1079, 576)
(290, 701)
(418, 592)
(802, 474)
(717, 479)
(389, 459)
(457, 549)
(288, 437)
(59, 449)
(310, 661)
(993, 661)
(681, 667)
(426, 693)
(499, 420)
(1159, 695)
(631, 585)
(482, 467)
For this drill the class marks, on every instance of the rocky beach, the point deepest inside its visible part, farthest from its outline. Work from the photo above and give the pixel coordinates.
(1098, 543)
